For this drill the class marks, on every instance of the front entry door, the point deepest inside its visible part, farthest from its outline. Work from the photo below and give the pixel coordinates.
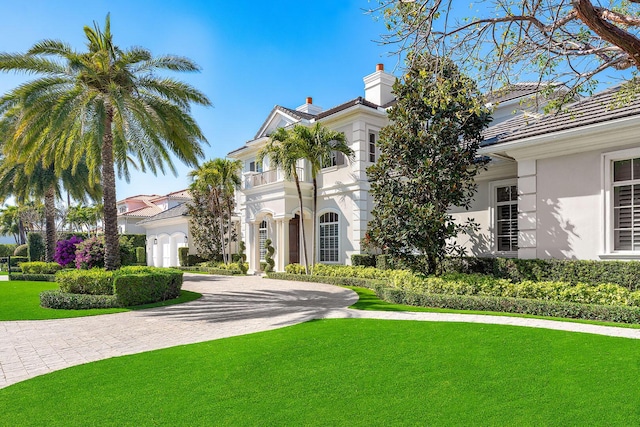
(294, 240)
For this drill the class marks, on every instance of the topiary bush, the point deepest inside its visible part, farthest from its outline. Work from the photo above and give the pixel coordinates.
(40, 267)
(66, 251)
(183, 256)
(242, 258)
(94, 282)
(268, 256)
(143, 285)
(21, 251)
(35, 247)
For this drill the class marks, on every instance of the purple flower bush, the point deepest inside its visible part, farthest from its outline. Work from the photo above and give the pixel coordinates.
(90, 253)
(66, 251)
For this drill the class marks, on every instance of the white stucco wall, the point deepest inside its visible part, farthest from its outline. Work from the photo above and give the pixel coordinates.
(163, 242)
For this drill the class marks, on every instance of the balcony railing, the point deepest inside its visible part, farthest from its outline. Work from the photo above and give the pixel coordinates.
(256, 179)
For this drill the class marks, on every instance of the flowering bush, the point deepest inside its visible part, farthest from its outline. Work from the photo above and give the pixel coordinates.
(66, 251)
(90, 253)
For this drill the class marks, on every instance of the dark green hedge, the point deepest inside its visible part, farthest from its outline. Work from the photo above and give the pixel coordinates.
(33, 277)
(141, 255)
(363, 259)
(147, 287)
(36, 249)
(605, 313)
(623, 273)
(68, 301)
(15, 260)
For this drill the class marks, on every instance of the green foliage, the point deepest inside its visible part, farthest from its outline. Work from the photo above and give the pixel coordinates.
(142, 285)
(127, 250)
(242, 258)
(35, 247)
(22, 251)
(141, 255)
(183, 256)
(40, 267)
(294, 269)
(427, 162)
(365, 260)
(268, 256)
(623, 273)
(94, 282)
(7, 249)
(58, 299)
(15, 260)
(32, 277)
(137, 240)
(66, 235)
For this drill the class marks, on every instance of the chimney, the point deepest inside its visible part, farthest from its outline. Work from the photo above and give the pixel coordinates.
(378, 87)
(309, 108)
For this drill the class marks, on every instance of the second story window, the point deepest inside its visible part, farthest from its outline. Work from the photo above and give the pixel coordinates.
(372, 147)
(255, 167)
(337, 159)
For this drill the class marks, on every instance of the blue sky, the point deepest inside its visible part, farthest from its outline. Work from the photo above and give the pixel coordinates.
(253, 54)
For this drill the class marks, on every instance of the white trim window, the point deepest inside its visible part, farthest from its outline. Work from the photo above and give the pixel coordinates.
(626, 204)
(329, 237)
(505, 217)
(262, 238)
(372, 149)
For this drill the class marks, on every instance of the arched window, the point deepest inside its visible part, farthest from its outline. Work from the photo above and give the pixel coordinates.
(329, 235)
(262, 233)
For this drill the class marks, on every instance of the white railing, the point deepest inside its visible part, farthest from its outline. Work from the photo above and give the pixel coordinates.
(256, 179)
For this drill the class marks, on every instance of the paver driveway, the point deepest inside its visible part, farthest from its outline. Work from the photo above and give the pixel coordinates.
(230, 306)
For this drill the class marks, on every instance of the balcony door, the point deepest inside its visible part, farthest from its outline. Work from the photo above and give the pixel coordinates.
(294, 240)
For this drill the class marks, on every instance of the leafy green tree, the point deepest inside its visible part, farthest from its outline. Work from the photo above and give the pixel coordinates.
(499, 41)
(214, 183)
(427, 162)
(318, 146)
(107, 106)
(284, 151)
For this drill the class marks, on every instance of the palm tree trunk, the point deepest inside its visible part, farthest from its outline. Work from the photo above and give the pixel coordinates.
(315, 225)
(304, 235)
(111, 243)
(50, 223)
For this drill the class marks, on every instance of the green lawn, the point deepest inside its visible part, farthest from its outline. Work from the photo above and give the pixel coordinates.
(20, 300)
(368, 300)
(349, 372)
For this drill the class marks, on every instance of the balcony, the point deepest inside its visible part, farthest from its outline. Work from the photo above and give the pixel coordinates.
(257, 179)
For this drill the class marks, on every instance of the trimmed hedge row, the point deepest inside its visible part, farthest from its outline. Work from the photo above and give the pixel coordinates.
(92, 282)
(232, 271)
(147, 287)
(32, 277)
(621, 314)
(364, 260)
(40, 267)
(68, 301)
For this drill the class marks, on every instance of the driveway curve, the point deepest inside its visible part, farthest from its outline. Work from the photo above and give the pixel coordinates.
(229, 306)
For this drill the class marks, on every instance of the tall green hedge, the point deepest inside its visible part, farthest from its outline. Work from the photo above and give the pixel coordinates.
(147, 286)
(35, 248)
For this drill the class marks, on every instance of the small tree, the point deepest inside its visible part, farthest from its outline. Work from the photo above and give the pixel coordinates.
(36, 249)
(427, 162)
(268, 256)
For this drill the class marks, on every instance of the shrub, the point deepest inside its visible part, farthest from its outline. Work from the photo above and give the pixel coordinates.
(93, 282)
(195, 259)
(68, 301)
(143, 285)
(141, 255)
(183, 256)
(137, 240)
(294, 269)
(35, 247)
(90, 253)
(242, 258)
(21, 251)
(67, 235)
(268, 256)
(66, 251)
(32, 277)
(127, 251)
(6, 249)
(40, 267)
(364, 260)
(15, 260)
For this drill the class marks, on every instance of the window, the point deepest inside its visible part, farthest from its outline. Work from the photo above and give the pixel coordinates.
(255, 166)
(337, 159)
(372, 147)
(262, 235)
(329, 234)
(506, 218)
(626, 205)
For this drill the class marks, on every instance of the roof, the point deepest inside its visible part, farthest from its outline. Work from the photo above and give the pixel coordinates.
(140, 197)
(299, 115)
(145, 211)
(181, 194)
(514, 91)
(601, 107)
(357, 101)
(174, 212)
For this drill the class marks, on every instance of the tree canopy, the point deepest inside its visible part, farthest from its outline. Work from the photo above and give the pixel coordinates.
(497, 42)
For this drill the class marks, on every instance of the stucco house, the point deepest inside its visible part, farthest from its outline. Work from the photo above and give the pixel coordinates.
(563, 185)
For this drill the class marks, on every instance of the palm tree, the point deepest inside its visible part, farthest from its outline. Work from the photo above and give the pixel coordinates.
(284, 151)
(318, 145)
(10, 222)
(218, 179)
(44, 183)
(105, 105)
